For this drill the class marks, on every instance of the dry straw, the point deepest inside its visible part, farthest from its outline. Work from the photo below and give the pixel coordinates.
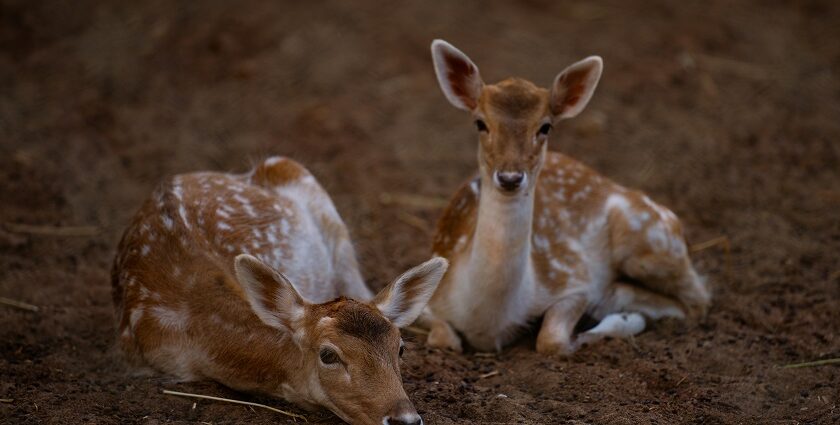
(18, 304)
(294, 416)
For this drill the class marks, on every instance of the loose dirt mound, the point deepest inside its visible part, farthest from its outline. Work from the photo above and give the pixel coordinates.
(727, 113)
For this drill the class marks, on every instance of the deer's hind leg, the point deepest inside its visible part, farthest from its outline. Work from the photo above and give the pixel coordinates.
(621, 297)
(649, 248)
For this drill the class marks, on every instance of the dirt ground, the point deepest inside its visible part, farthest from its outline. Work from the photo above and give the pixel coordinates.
(727, 112)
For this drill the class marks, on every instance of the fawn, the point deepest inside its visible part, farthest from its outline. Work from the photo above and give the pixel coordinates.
(537, 233)
(273, 319)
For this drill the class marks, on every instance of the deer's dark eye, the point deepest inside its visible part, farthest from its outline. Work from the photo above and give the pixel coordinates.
(402, 350)
(481, 126)
(544, 129)
(328, 356)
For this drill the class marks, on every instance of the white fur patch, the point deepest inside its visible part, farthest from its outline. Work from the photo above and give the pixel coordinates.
(135, 316)
(173, 319)
(274, 160)
(618, 325)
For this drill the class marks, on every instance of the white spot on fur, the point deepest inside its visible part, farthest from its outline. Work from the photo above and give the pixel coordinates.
(167, 222)
(274, 160)
(657, 237)
(168, 318)
(135, 316)
(474, 186)
(541, 243)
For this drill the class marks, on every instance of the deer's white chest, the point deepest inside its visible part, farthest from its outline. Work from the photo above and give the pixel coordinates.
(488, 304)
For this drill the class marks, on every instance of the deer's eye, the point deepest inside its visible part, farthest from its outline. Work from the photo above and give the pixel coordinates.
(481, 126)
(328, 356)
(402, 349)
(544, 129)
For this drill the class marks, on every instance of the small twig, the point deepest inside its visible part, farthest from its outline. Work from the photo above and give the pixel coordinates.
(727, 251)
(246, 403)
(484, 354)
(488, 374)
(680, 381)
(720, 240)
(42, 230)
(416, 330)
(413, 221)
(814, 363)
(6, 400)
(19, 304)
(413, 201)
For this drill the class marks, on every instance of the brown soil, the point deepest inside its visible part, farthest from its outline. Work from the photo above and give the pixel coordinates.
(728, 112)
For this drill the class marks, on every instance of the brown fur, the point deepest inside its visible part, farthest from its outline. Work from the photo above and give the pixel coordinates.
(182, 310)
(555, 245)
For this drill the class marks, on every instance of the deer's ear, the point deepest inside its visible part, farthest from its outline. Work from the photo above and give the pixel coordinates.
(272, 297)
(404, 299)
(457, 75)
(574, 86)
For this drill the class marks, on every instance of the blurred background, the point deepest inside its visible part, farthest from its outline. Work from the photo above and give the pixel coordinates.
(727, 112)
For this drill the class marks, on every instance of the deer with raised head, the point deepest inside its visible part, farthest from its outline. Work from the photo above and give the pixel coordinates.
(538, 234)
(242, 279)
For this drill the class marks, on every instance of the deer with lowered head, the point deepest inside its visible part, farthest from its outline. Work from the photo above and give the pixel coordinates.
(538, 234)
(242, 279)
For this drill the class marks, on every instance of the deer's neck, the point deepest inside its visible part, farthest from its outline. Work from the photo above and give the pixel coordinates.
(501, 246)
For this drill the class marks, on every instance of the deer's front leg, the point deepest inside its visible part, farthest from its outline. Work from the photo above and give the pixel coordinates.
(441, 335)
(556, 333)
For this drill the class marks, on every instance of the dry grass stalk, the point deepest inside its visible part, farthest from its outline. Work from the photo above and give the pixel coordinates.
(412, 201)
(19, 304)
(488, 374)
(727, 249)
(6, 400)
(811, 364)
(294, 416)
(720, 240)
(413, 221)
(416, 330)
(41, 230)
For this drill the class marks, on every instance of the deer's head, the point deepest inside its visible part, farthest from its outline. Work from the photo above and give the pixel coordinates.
(513, 117)
(350, 350)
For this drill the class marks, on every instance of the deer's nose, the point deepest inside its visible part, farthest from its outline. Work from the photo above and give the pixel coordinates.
(403, 414)
(416, 420)
(510, 180)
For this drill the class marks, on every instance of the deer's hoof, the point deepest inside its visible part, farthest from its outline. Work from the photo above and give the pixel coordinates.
(444, 337)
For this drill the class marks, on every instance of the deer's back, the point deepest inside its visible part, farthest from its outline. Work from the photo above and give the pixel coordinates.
(173, 278)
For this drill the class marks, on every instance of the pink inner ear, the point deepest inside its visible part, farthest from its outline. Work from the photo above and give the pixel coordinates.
(460, 73)
(573, 86)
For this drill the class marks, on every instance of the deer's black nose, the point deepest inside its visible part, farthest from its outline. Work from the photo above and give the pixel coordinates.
(510, 180)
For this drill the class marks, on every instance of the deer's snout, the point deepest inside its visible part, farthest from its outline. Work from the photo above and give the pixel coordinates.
(403, 414)
(509, 181)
